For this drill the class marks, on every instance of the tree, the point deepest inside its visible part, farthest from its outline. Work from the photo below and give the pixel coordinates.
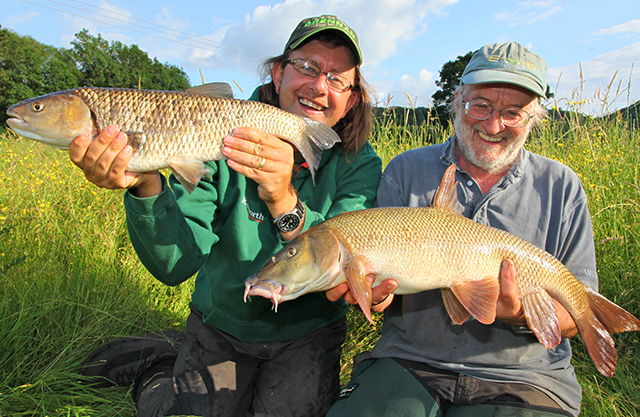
(449, 79)
(29, 68)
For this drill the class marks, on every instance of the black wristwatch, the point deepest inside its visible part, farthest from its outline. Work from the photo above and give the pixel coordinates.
(288, 222)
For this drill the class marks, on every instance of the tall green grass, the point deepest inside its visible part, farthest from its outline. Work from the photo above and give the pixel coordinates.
(70, 280)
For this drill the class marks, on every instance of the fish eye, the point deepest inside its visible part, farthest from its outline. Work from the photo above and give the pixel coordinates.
(291, 251)
(37, 106)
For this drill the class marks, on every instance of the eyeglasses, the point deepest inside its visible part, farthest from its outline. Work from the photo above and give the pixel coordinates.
(336, 81)
(481, 110)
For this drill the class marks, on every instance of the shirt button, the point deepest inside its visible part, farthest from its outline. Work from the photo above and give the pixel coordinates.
(469, 183)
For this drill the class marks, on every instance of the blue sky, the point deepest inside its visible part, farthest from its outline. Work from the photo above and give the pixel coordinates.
(588, 45)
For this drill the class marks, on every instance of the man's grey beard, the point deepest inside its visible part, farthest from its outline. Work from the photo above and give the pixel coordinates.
(487, 162)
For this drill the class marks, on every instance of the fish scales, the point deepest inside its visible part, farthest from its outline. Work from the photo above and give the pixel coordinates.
(176, 129)
(434, 247)
(432, 243)
(161, 124)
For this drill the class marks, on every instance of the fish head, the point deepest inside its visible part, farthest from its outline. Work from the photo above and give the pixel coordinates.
(55, 119)
(309, 263)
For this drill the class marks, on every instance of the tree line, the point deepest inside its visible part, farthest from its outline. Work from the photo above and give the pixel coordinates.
(29, 68)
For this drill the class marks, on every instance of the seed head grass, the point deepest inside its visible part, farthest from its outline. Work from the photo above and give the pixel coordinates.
(70, 279)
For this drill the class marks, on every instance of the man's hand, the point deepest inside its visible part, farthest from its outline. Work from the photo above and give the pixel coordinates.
(381, 295)
(509, 308)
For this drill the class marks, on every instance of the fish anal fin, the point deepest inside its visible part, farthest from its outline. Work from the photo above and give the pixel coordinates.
(188, 172)
(223, 90)
(479, 297)
(456, 310)
(355, 272)
(614, 318)
(540, 312)
(446, 196)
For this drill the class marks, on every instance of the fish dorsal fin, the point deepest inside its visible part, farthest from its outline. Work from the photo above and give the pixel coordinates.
(446, 196)
(188, 172)
(223, 90)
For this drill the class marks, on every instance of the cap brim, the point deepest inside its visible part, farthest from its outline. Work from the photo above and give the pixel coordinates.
(487, 76)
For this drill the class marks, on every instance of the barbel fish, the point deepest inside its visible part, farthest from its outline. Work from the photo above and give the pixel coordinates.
(167, 129)
(435, 247)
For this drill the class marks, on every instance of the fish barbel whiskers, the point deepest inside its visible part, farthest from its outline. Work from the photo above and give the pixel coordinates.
(176, 129)
(435, 247)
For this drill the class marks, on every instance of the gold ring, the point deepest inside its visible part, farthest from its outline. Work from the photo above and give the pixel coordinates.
(262, 162)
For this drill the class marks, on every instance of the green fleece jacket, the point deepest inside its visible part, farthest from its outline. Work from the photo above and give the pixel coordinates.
(222, 232)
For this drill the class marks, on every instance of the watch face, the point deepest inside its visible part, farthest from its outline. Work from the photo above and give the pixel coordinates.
(288, 222)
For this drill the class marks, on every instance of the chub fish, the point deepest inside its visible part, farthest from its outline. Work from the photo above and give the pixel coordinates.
(166, 129)
(435, 247)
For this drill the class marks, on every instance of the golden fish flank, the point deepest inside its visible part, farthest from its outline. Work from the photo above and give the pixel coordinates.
(434, 247)
(176, 129)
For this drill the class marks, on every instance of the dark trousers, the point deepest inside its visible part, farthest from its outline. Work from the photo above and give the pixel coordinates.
(218, 375)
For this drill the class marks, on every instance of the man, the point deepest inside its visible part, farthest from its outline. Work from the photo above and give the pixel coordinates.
(423, 364)
(236, 358)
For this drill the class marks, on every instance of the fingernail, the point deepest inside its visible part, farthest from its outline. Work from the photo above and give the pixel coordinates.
(111, 130)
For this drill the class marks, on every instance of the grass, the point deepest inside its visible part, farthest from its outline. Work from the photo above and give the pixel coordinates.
(70, 280)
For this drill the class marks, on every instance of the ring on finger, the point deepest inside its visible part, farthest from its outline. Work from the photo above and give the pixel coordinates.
(262, 162)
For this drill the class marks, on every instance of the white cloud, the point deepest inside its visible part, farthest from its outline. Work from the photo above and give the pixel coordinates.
(25, 17)
(529, 12)
(603, 83)
(630, 26)
(381, 25)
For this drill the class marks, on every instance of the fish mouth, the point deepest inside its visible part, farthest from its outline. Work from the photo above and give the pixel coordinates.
(310, 104)
(269, 290)
(14, 117)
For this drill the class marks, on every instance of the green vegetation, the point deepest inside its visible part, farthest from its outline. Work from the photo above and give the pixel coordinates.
(70, 280)
(29, 68)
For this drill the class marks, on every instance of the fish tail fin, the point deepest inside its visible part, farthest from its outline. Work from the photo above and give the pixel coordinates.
(614, 318)
(478, 297)
(189, 172)
(540, 312)
(603, 317)
(599, 343)
(320, 138)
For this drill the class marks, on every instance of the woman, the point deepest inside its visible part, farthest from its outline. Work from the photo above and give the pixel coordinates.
(241, 358)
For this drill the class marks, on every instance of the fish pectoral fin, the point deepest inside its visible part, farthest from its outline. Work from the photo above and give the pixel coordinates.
(479, 297)
(540, 312)
(188, 172)
(223, 90)
(456, 310)
(354, 270)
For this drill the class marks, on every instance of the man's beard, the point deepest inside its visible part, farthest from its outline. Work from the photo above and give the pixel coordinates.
(487, 158)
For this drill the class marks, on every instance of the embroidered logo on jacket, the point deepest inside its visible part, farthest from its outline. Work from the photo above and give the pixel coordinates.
(259, 217)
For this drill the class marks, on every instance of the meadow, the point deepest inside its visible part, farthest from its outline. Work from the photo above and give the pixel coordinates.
(70, 280)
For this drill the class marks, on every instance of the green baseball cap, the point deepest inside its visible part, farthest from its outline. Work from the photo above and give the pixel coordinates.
(509, 63)
(312, 25)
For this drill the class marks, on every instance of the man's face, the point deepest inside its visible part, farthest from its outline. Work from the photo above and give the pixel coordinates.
(311, 96)
(489, 144)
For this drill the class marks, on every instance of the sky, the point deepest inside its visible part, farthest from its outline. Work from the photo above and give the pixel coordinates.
(592, 48)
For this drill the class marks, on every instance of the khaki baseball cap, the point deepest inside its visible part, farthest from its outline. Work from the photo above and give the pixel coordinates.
(509, 63)
(312, 25)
